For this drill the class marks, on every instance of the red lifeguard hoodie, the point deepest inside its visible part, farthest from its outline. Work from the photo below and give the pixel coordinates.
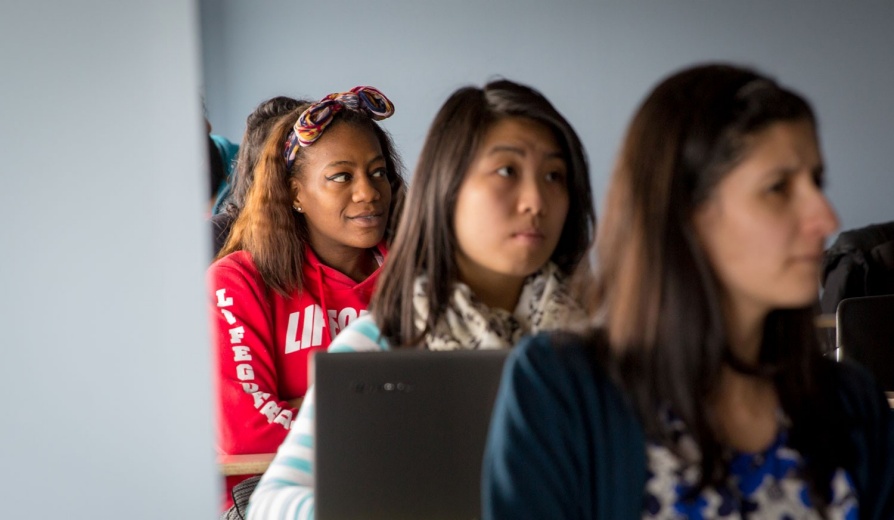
(263, 342)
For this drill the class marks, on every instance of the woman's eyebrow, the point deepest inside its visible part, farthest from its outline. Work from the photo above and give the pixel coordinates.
(556, 154)
(347, 162)
(340, 163)
(790, 170)
(506, 148)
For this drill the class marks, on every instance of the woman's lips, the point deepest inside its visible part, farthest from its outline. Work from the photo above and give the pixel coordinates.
(369, 219)
(533, 236)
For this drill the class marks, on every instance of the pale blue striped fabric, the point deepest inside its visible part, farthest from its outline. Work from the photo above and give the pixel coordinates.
(286, 489)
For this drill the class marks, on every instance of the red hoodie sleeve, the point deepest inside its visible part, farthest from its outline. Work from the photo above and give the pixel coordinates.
(252, 417)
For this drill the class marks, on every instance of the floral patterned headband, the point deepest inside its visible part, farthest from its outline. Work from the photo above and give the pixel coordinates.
(313, 121)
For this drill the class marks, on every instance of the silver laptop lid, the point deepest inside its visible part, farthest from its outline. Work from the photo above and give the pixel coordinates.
(401, 434)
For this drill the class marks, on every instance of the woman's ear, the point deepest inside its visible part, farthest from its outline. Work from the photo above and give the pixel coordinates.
(295, 190)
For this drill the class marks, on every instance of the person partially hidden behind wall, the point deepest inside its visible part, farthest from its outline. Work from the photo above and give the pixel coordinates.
(226, 152)
(232, 198)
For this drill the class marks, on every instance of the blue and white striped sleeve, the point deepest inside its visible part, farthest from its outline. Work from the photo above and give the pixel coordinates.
(285, 491)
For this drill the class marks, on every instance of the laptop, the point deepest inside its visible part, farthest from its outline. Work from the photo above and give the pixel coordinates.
(401, 434)
(865, 327)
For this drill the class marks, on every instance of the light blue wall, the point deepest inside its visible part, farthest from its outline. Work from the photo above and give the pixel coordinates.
(594, 60)
(105, 412)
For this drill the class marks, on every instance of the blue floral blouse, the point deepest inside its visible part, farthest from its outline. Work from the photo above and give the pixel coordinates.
(762, 485)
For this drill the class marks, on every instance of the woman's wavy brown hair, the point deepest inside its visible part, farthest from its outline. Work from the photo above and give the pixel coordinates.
(257, 128)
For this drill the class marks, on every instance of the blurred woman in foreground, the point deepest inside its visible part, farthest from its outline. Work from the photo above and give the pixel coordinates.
(700, 391)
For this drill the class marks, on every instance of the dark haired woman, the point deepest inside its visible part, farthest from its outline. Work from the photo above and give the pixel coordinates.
(257, 128)
(499, 212)
(301, 260)
(700, 392)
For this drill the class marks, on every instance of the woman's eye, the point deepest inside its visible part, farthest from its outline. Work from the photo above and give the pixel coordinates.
(339, 177)
(379, 174)
(556, 176)
(505, 171)
(779, 187)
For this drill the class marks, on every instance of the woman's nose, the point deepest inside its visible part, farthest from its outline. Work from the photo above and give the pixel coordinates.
(820, 216)
(531, 197)
(364, 190)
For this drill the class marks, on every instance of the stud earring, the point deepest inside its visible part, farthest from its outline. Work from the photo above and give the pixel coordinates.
(298, 208)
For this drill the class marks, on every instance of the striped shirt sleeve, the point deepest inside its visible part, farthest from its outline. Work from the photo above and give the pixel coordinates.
(286, 489)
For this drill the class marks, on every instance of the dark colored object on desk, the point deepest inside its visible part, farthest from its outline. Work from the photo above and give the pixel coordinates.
(859, 263)
(400, 435)
(866, 335)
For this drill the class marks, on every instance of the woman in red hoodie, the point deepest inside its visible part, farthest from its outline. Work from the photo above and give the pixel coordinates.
(301, 261)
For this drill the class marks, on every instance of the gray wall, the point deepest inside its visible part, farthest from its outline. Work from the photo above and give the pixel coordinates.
(594, 60)
(106, 388)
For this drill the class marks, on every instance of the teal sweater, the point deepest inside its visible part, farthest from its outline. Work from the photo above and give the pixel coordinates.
(565, 444)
